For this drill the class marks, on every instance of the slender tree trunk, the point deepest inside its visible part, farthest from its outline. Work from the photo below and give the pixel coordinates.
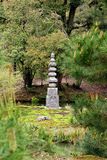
(59, 76)
(28, 78)
(70, 21)
(14, 66)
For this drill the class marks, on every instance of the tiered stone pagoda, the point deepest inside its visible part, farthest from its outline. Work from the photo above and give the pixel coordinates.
(52, 98)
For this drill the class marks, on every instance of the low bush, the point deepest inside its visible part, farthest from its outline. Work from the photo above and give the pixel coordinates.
(34, 101)
(94, 143)
(92, 114)
(61, 137)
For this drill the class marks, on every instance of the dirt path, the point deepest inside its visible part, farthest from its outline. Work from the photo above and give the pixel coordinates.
(45, 156)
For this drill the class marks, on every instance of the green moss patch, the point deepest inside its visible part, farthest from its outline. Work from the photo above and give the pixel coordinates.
(57, 118)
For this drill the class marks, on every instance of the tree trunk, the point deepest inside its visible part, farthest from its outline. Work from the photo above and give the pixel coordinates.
(59, 76)
(68, 22)
(71, 18)
(14, 66)
(28, 78)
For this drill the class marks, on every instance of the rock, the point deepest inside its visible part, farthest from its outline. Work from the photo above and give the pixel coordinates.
(43, 118)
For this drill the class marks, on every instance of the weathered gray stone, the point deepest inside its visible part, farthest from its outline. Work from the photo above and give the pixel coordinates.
(52, 60)
(52, 64)
(52, 74)
(52, 85)
(52, 101)
(43, 118)
(52, 55)
(52, 69)
(52, 80)
(53, 91)
(52, 98)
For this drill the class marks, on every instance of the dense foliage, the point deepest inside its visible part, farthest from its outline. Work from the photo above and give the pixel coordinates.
(89, 60)
(31, 30)
(92, 114)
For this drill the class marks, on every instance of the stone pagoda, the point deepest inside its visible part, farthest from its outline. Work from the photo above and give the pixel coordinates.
(52, 98)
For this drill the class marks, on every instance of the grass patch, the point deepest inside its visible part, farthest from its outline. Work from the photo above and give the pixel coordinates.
(59, 118)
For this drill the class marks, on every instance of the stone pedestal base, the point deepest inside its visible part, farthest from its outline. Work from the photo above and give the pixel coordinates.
(52, 98)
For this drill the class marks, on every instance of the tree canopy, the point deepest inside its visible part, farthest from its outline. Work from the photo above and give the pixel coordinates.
(30, 30)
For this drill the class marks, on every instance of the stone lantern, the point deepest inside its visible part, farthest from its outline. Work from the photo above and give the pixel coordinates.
(52, 98)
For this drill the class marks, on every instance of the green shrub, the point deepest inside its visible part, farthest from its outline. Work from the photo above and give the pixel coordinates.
(13, 135)
(94, 143)
(34, 101)
(81, 102)
(44, 134)
(42, 140)
(61, 137)
(92, 114)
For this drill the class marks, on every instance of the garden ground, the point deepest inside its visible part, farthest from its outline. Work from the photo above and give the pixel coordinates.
(60, 126)
(67, 93)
